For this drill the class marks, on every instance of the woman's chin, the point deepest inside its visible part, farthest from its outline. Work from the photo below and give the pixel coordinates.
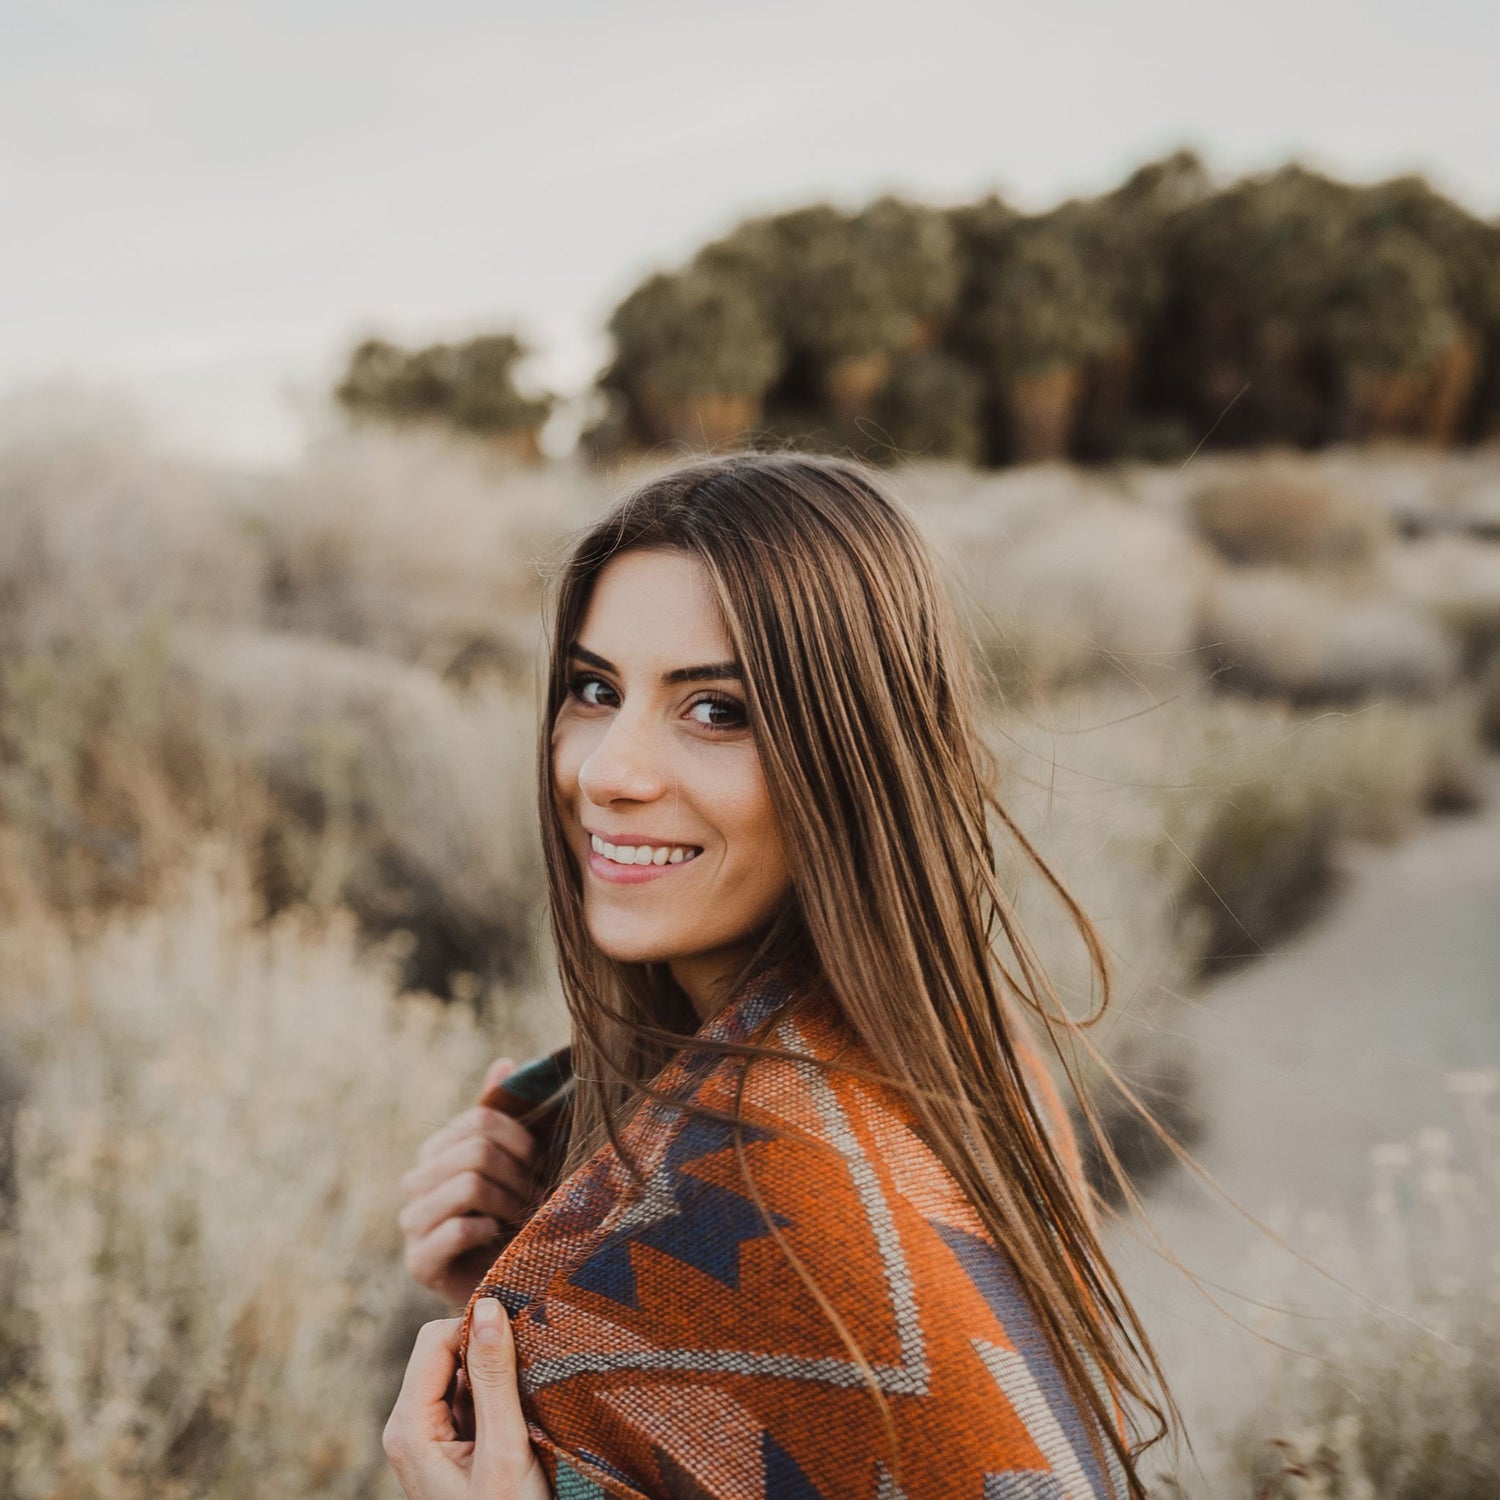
(633, 948)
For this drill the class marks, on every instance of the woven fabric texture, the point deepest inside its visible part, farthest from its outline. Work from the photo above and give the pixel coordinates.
(668, 1349)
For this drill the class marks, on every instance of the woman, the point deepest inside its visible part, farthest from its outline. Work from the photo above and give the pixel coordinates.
(816, 1223)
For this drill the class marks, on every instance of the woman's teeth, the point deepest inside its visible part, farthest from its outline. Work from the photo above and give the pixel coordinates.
(644, 854)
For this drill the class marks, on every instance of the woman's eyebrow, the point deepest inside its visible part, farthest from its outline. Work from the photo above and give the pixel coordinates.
(709, 672)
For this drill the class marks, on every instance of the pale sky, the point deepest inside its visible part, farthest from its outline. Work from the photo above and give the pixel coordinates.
(208, 201)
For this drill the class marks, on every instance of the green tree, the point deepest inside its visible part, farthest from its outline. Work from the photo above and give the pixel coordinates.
(469, 386)
(698, 331)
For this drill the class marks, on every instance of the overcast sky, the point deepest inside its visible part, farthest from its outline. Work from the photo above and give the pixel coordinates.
(209, 200)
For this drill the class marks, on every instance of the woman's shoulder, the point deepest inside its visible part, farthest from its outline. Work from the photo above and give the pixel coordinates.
(834, 1090)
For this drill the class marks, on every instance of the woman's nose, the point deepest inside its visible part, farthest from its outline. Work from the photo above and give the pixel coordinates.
(624, 766)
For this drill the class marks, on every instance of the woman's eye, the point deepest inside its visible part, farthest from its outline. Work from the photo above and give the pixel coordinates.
(722, 713)
(581, 689)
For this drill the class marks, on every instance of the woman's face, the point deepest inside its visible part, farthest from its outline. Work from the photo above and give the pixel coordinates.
(658, 780)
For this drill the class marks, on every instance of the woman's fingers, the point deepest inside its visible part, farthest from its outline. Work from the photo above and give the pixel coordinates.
(473, 1175)
(421, 1415)
(504, 1130)
(504, 1461)
(469, 1192)
(430, 1257)
(469, 1154)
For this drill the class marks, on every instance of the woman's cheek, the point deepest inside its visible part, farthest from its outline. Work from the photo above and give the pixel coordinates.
(568, 754)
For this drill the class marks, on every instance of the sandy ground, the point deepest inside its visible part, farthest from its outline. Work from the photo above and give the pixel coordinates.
(1333, 1044)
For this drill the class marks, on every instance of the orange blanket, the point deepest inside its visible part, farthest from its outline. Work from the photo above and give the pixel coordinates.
(666, 1348)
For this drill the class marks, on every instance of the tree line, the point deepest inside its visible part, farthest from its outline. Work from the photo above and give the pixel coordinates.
(1283, 308)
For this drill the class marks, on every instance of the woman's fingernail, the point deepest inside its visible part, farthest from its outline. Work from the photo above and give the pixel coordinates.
(487, 1320)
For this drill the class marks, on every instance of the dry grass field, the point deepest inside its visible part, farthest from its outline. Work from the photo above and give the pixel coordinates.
(269, 893)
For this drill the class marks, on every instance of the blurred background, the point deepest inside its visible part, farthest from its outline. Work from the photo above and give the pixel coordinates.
(1177, 328)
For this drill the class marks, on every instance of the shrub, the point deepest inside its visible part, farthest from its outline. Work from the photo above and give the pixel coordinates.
(1163, 1076)
(1268, 794)
(1100, 588)
(1264, 872)
(208, 1293)
(1489, 700)
(396, 796)
(1277, 513)
(415, 546)
(1399, 1401)
(1273, 632)
(469, 386)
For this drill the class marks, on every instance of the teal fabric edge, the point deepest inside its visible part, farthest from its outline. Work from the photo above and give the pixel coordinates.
(542, 1077)
(572, 1485)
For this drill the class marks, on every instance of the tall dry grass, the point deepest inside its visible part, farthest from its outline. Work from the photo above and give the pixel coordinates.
(1397, 1400)
(207, 1293)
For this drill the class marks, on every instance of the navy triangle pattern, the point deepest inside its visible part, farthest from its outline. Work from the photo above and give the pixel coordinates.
(782, 1473)
(708, 1234)
(511, 1300)
(702, 1136)
(608, 1271)
(706, 1231)
(696, 1062)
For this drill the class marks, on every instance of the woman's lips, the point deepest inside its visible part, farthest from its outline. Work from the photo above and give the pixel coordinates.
(607, 869)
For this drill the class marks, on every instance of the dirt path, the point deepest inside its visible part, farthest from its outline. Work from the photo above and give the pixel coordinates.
(1335, 1043)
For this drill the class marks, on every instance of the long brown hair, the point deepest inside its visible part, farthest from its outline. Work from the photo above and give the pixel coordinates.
(862, 693)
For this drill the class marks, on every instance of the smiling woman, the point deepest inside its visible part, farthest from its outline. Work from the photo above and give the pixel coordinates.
(658, 782)
(810, 1218)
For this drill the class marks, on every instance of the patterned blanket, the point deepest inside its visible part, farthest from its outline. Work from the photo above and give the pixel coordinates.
(666, 1348)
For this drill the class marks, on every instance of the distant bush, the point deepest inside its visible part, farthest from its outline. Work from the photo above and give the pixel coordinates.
(1456, 579)
(468, 386)
(1278, 513)
(1264, 872)
(1276, 633)
(696, 355)
(1096, 589)
(1489, 689)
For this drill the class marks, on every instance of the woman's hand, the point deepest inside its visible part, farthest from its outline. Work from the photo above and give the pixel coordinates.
(475, 1447)
(472, 1176)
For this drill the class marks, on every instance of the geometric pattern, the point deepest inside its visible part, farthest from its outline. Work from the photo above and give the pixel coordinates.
(667, 1346)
